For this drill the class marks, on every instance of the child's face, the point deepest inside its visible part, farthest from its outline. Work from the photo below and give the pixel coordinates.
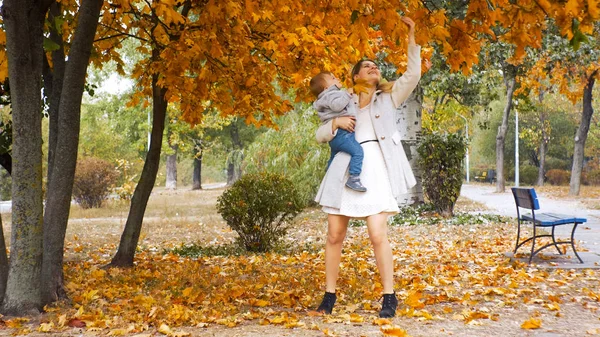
(332, 80)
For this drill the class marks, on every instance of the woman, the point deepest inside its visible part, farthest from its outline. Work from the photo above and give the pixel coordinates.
(386, 172)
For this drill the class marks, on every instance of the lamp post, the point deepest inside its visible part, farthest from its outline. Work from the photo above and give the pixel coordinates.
(467, 137)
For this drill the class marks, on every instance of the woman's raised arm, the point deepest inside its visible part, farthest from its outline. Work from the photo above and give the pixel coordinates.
(409, 80)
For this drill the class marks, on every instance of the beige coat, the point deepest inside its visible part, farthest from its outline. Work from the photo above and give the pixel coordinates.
(383, 108)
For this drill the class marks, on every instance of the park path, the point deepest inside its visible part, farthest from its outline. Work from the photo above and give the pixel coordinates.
(504, 204)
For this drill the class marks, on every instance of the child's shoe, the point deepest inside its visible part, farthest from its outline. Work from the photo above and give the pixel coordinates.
(326, 306)
(388, 308)
(354, 183)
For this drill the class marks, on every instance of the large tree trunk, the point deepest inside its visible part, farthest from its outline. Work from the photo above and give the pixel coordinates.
(60, 186)
(133, 226)
(581, 136)
(171, 183)
(197, 175)
(23, 21)
(510, 73)
(408, 123)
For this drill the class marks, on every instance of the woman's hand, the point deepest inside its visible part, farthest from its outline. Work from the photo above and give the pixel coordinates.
(411, 28)
(347, 123)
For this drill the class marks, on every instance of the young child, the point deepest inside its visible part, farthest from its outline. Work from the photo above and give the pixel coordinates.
(333, 102)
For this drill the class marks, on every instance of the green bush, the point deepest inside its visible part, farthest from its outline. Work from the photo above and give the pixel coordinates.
(558, 177)
(259, 207)
(94, 178)
(441, 158)
(555, 163)
(528, 175)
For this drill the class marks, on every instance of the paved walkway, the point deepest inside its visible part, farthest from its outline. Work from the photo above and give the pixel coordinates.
(503, 204)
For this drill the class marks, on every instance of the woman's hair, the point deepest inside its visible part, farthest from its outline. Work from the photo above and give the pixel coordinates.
(383, 86)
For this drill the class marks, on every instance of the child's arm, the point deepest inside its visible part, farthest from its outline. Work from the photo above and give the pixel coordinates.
(338, 100)
(328, 130)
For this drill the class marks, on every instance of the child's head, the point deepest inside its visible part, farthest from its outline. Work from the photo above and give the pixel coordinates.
(322, 81)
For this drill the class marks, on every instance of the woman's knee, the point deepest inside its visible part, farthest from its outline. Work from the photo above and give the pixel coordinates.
(378, 238)
(336, 237)
(377, 225)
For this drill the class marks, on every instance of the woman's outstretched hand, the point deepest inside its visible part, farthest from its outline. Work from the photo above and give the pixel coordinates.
(347, 123)
(411, 28)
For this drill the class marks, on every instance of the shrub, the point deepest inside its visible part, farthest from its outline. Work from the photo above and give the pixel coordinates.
(259, 208)
(555, 163)
(591, 177)
(528, 174)
(440, 160)
(558, 177)
(94, 178)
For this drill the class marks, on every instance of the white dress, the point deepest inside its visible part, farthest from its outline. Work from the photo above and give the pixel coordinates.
(374, 176)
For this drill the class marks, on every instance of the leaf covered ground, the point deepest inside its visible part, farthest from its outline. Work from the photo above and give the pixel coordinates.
(451, 279)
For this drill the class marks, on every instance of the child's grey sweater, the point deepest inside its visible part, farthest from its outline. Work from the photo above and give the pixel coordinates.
(334, 102)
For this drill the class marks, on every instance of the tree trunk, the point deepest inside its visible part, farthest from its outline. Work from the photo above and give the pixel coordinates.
(408, 123)
(23, 22)
(133, 226)
(543, 142)
(53, 85)
(197, 175)
(510, 73)
(60, 186)
(3, 262)
(542, 167)
(581, 136)
(171, 183)
(230, 173)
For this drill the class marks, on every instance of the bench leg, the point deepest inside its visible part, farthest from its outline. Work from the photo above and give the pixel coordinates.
(518, 236)
(532, 244)
(554, 241)
(573, 242)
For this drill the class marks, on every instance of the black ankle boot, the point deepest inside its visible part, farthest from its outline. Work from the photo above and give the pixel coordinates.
(327, 304)
(388, 308)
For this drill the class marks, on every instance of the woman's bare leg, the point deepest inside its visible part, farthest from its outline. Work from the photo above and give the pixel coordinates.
(377, 226)
(336, 232)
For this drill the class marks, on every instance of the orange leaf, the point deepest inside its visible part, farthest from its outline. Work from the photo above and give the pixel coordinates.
(76, 323)
(532, 323)
(392, 330)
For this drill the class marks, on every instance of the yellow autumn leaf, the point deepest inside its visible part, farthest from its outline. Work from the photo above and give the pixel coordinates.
(393, 330)
(382, 321)
(414, 300)
(360, 86)
(164, 329)
(356, 318)
(46, 327)
(260, 303)
(532, 323)
(187, 292)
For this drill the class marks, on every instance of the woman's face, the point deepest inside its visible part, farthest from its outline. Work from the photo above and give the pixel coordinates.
(368, 72)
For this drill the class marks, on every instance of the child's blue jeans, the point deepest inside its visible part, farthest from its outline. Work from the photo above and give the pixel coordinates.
(344, 141)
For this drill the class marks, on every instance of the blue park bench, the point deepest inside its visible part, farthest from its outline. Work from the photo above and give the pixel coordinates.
(526, 198)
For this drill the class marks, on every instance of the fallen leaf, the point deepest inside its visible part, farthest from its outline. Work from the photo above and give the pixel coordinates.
(395, 331)
(532, 323)
(76, 323)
